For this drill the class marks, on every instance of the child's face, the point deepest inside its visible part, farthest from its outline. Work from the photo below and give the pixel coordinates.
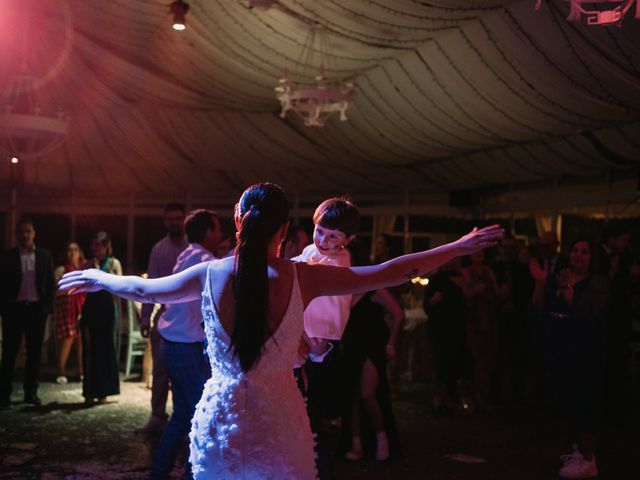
(329, 241)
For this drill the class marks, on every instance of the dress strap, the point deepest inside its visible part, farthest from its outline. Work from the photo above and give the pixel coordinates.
(209, 307)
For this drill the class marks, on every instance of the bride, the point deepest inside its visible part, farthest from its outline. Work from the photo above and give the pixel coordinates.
(251, 422)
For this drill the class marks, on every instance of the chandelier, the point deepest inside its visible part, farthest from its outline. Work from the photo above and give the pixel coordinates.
(43, 35)
(315, 100)
(600, 16)
(25, 130)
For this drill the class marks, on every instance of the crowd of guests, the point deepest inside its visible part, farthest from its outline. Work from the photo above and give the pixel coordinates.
(29, 295)
(521, 324)
(535, 327)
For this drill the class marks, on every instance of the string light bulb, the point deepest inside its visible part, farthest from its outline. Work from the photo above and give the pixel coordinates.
(179, 8)
(14, 160)
(422, 281)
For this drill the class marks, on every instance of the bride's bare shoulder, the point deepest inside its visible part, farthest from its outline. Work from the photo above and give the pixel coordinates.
(224, 261)
(221, 265)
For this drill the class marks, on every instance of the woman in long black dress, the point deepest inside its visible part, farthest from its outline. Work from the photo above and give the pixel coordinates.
(368, 422)
(100, 314)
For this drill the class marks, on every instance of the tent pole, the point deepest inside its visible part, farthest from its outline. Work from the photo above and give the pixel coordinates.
(407, 240)
(296, 208)
(74, 215)
(13, 215)
(130, 232)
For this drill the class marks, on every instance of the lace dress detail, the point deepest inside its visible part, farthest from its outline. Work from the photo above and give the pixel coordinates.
(252, 425)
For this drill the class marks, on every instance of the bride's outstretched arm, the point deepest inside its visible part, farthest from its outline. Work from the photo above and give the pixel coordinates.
(180, 287)
(319, 280)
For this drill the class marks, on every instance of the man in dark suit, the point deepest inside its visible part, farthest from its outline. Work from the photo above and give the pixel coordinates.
(27, 293)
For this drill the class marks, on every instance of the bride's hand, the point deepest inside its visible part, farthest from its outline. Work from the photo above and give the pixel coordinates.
(82, 281)
(479, 239)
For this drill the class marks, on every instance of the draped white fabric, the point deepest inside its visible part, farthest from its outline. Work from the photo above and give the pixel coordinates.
(452, 94)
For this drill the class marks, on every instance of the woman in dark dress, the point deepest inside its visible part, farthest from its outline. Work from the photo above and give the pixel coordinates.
(100, 314)
(481, 292)
(573, 307)
(446, 308)
(368, 423)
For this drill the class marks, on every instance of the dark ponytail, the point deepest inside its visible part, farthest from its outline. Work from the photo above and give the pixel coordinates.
(263, 208)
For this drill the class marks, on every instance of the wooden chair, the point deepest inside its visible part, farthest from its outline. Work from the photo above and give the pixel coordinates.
(136, 343)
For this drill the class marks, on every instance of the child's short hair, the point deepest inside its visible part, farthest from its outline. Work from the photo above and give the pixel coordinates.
(338, 213)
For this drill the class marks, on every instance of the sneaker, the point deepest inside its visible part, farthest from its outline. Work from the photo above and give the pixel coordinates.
(569, 457)
(61, 379)
(356, 452)
(576, 466)
(382, 448)
(154, 424)
(354, 455)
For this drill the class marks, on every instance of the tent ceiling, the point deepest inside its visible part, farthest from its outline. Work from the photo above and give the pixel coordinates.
(451, 95)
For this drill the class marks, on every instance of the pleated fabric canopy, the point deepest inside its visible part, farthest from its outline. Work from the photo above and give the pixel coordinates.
(451, 94)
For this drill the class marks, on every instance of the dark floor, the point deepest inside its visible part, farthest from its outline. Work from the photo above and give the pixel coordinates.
(64, 440)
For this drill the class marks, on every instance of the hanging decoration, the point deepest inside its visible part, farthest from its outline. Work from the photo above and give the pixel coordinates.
(315, 100)
(602, 16)
(42, 47)
(25, 130)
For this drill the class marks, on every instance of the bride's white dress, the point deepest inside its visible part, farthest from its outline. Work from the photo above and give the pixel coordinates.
(252, 425)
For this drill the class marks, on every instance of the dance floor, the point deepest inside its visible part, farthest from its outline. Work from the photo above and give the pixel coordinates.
(64, 440)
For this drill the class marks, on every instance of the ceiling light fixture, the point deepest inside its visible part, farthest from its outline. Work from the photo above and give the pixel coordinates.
(595, 14)
(179, 8)
(315, 97)
(25, 129)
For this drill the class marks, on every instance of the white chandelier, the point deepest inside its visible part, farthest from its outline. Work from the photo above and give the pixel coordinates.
(315, 101)
(25, 130)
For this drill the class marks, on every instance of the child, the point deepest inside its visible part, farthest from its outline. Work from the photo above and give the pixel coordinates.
(336, 222)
